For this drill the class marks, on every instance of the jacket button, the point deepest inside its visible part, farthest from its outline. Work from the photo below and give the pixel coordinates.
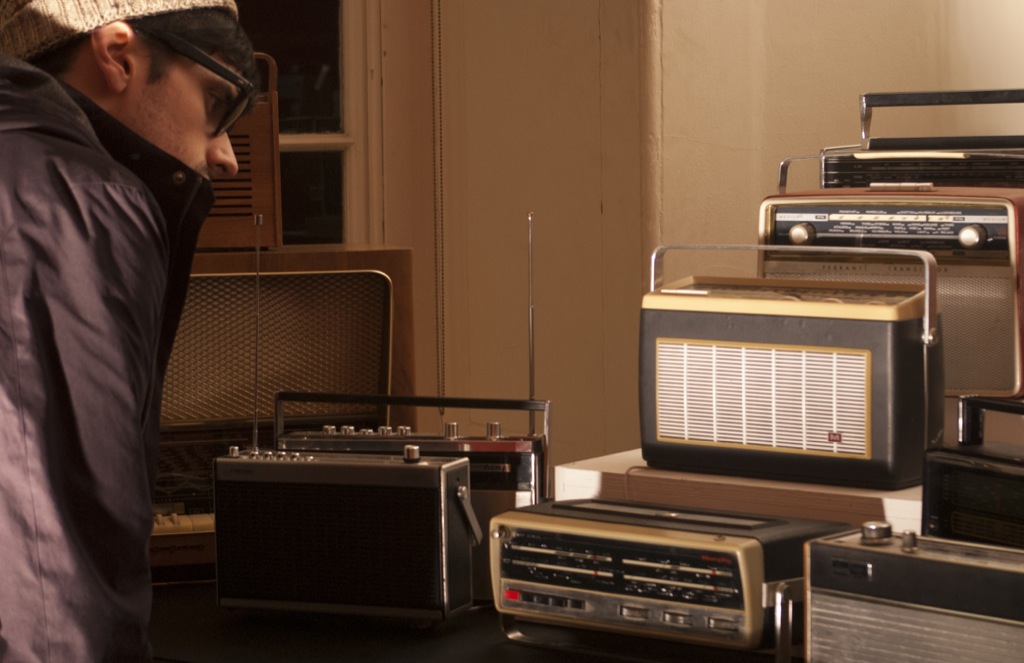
(178, 177)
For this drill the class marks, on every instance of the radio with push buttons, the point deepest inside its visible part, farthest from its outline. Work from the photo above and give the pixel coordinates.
(704, 577)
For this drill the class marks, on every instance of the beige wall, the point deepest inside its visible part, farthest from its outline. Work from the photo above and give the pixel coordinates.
(621, 125)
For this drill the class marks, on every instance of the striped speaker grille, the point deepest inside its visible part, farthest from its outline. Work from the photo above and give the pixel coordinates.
(845, 629)
(776, 398)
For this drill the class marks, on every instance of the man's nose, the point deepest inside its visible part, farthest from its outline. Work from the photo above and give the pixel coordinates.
(220, 157)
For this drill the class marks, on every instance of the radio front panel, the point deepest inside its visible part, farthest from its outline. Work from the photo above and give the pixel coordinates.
(789, 379)
(902, 597)
(344, 533)
(630, 579)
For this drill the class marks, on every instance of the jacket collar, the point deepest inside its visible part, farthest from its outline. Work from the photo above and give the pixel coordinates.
(182, 193)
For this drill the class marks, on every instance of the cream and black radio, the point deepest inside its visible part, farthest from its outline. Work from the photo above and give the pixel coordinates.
(837, 383)
(702, 577)
(971, 231)
(873, 596)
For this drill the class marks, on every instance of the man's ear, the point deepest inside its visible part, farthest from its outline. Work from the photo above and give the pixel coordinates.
(115, 48)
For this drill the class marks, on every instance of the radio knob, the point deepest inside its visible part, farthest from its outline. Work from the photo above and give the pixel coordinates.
(493, 430)
(972, 236)
(875, 532)
(451, 430)
(329, 429)
(411, 453)
(802, 233)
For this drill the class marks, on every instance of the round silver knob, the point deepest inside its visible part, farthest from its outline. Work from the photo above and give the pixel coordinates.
(411, 453)
(493, 430)
(802, 233)
(875, 532)
(329, 429)
(451, 430)
(909, 541)
(972, 236)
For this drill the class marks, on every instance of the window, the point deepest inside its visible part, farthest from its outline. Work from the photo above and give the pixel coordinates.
(325, 62)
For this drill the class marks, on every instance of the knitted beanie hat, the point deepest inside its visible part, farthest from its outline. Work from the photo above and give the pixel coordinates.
(31, 27)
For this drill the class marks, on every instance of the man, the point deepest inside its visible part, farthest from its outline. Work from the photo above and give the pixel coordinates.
(105, 153)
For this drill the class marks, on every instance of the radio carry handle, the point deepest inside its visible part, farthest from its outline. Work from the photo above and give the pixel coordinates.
(870, 101)
(971, 416)
(930, 329)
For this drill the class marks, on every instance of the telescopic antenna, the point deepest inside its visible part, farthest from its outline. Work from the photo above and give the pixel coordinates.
(529, 287)
(258, 220)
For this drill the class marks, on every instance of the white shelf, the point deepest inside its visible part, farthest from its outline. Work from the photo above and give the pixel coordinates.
(625, 476)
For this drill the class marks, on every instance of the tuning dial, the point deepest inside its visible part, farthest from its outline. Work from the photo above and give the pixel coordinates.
(972, 236)
(802, 233)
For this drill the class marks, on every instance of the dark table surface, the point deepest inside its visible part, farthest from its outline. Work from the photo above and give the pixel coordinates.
(189, 627)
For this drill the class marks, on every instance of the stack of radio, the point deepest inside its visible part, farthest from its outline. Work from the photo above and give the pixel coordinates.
(884, 300)
(952, 594)
(375, 521)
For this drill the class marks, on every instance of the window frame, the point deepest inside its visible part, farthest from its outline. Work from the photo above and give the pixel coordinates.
(360, 139)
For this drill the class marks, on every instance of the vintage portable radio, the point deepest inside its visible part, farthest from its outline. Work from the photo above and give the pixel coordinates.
(973, 234)
(792, 380)
(974, 491)
(387, 536)
(986, 161)
(872, 596)
(507, 471)
(703, 577)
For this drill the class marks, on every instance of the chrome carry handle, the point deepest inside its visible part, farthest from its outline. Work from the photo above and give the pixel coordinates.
(930, 331)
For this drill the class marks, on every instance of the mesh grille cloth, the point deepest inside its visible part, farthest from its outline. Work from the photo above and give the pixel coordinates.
(328, 331)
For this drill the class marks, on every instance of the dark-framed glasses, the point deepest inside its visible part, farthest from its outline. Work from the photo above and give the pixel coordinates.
(235, 107)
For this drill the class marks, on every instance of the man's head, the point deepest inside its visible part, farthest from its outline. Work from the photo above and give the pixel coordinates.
(177, 72)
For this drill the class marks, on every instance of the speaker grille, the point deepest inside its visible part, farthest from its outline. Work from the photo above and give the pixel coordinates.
(330, 544)
(788, 399)
(327, 331)
(844, 629)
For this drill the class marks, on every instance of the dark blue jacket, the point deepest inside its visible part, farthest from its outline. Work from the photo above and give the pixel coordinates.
(97, 232)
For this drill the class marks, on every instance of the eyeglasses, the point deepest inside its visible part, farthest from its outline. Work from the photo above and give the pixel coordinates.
(235, 107)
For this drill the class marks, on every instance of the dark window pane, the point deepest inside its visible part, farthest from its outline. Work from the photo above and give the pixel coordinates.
(311, 197)
(302, 37)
